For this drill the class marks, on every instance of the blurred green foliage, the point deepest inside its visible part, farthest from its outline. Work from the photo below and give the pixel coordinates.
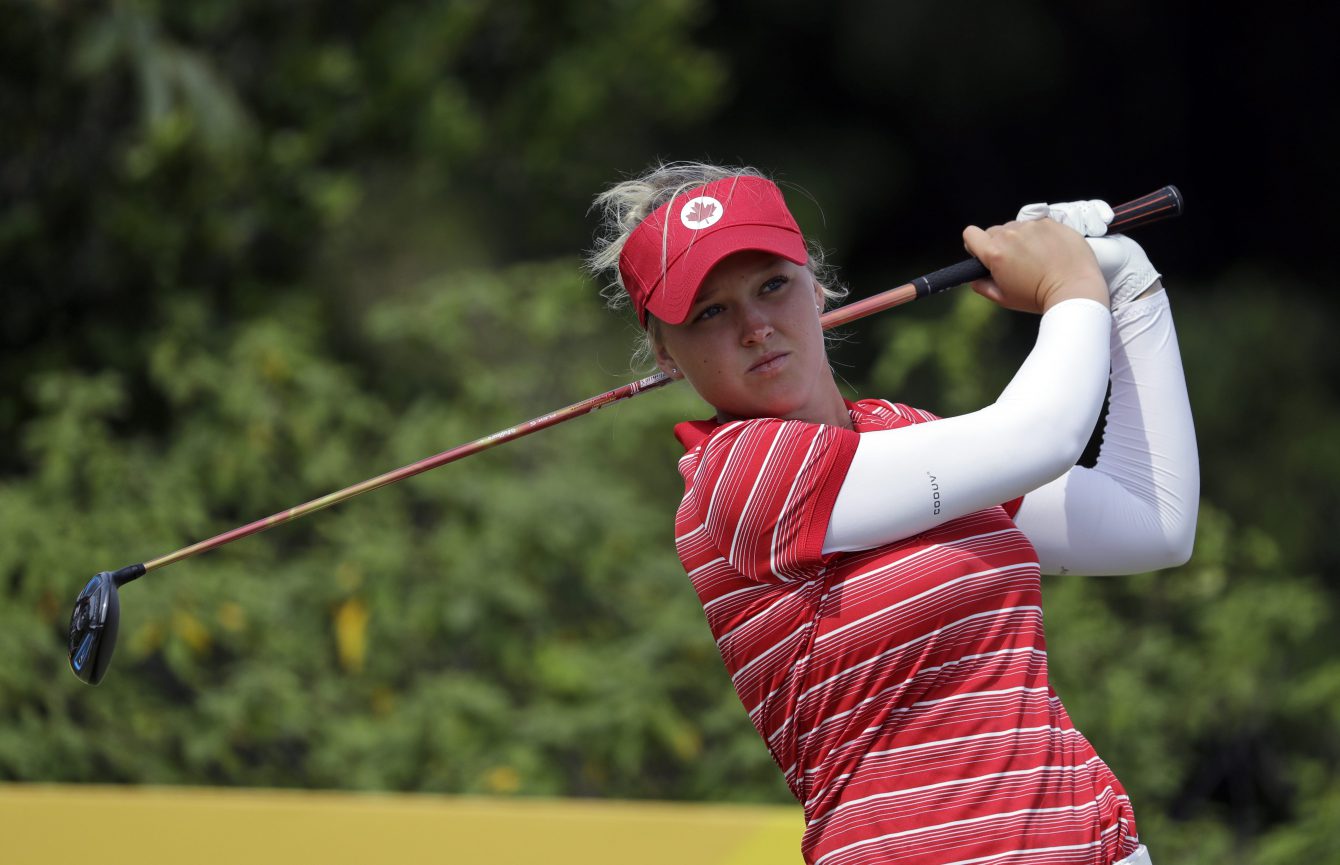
(251, 254)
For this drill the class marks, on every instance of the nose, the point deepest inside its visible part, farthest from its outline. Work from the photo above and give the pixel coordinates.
(755, 328)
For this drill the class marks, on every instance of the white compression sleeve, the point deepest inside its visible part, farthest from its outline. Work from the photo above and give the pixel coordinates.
(905, 481)
(1135, 510)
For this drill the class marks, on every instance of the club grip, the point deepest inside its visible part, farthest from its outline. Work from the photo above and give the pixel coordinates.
(1164, 203)
(947, 277)
(1161, 204)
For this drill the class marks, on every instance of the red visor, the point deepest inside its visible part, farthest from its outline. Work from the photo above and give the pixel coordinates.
(668, 255)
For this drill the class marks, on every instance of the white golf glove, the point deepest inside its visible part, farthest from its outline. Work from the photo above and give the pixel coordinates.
(1123, 263)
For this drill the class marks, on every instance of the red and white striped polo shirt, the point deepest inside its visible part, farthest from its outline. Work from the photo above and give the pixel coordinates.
(902, 690)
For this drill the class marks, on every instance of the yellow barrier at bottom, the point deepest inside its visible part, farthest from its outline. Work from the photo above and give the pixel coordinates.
(151, 825)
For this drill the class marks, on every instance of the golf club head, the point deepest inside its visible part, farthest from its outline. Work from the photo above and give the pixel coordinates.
(93, 625)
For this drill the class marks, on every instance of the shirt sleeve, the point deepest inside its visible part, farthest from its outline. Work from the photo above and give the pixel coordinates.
(763, 492)
(1135, 510)
(909, 480)
(919, 415)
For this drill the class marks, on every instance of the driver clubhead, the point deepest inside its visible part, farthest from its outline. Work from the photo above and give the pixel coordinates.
(93, 624)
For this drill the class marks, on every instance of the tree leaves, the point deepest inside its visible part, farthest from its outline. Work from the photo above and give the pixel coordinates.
(252, 255)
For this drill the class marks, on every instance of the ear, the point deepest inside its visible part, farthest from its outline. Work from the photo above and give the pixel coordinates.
(819, 299)
(665, 362)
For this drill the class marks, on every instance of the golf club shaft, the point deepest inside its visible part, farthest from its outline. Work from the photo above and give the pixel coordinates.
(577, 409)
(1165, 203)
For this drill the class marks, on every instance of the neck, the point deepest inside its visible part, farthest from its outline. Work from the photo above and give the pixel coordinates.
(828, 408)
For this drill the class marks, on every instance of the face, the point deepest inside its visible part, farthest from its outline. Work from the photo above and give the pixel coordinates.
(752, 345)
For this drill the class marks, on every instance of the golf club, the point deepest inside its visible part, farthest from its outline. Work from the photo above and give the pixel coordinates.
(96, 615)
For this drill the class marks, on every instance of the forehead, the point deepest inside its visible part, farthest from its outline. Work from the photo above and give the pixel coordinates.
(741, 267)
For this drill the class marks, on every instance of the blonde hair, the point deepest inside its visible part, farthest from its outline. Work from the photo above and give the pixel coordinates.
(624, 205)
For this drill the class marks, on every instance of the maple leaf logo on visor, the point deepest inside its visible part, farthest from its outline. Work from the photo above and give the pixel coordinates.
(701, 212)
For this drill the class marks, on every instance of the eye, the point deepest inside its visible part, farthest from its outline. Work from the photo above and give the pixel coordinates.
(776, 283)
(712, 310)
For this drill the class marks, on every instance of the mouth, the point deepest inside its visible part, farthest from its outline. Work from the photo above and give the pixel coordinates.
(770, 362)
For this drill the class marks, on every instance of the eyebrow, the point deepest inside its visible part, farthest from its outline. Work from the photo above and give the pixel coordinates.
(704, 297)
(773, 262)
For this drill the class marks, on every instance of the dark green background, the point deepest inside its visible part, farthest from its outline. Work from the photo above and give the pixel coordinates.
(253, 252)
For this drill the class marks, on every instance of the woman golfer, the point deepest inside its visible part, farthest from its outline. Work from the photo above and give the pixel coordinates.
(872, 573)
